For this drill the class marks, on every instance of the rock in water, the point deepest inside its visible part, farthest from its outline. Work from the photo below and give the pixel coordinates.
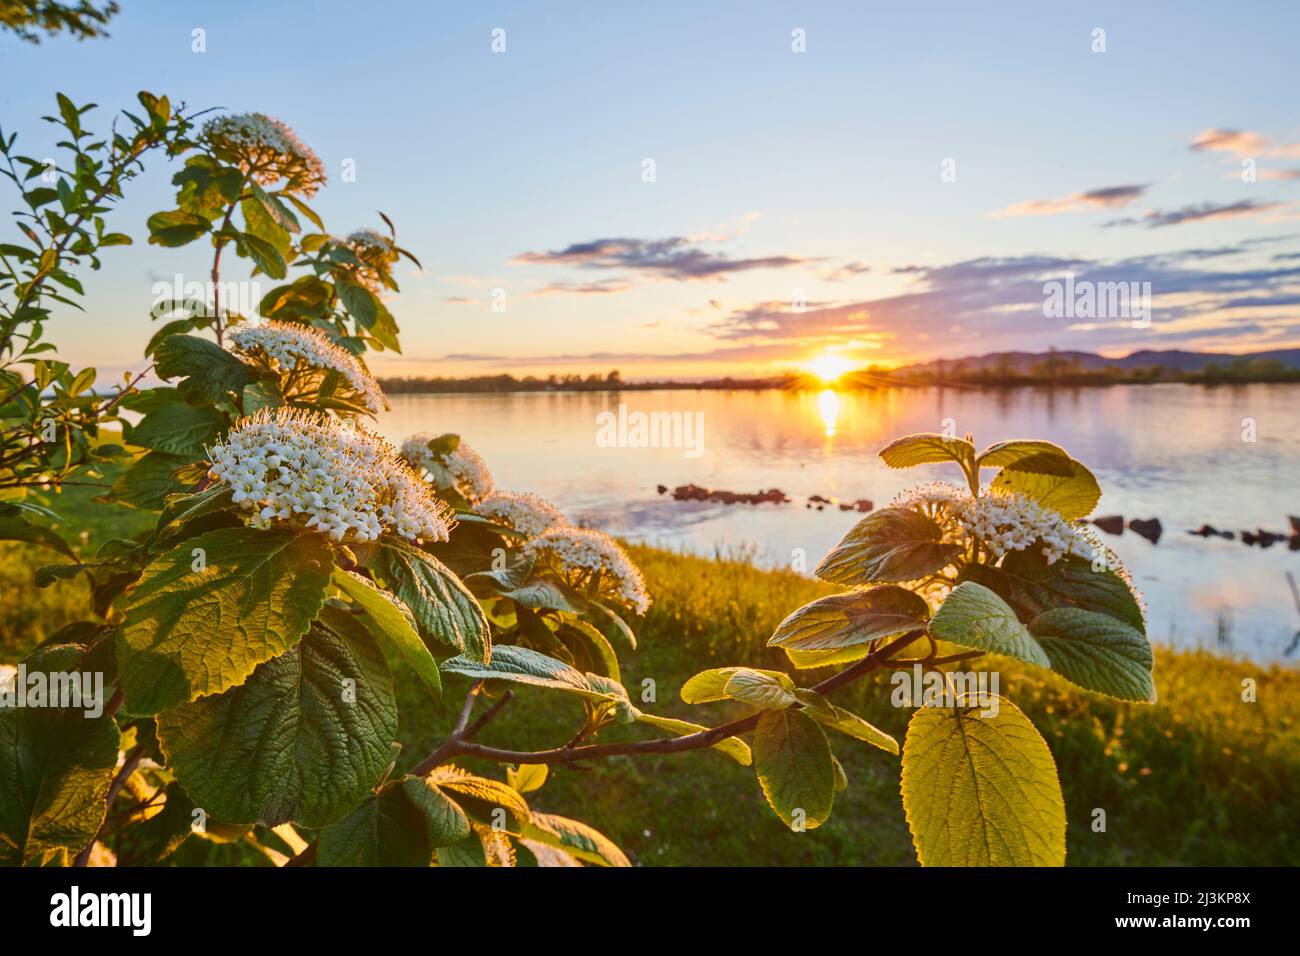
(1111, 524)
(1149, 528)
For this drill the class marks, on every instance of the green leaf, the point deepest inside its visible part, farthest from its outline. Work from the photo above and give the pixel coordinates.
(387, 620)
(856, 617)
(16, 529)
(1030, 585)
(981, 791)
(402, 825)
(793, 762)
(521, 665)
(304, 740)
(1027, 455)
(178, 428)
(927, 448)
(575, 838)
(733, 747)
(893, 544)
(1071, 497)
(148, 482)
(847, 722)
(445, 611)
(359, 301)
(212, 372)
(973, 616)
(1097, 652)
(527, 777)
(56, 766)
(481, 797)
(264, 254)
(190, 633)
(711, 684)
(758, 689)
(176, 228)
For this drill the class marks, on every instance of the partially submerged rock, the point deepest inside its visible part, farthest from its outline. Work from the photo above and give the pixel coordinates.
(1149, 528)
(1111, 524)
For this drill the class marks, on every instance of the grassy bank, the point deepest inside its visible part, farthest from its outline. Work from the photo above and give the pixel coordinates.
(1200, 778)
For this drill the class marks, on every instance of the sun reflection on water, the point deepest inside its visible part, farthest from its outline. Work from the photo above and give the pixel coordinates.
(828, 405)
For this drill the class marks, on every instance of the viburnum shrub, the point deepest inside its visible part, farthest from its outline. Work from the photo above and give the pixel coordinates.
(248, 695)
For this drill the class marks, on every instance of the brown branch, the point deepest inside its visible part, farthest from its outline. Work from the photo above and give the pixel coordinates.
(664, 745)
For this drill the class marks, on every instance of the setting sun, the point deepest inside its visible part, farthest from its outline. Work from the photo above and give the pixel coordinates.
(828, 367)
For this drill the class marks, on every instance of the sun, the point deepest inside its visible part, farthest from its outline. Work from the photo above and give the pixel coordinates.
(828, 367)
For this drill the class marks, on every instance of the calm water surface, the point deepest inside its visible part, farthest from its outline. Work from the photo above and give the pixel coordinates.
(1175, 452)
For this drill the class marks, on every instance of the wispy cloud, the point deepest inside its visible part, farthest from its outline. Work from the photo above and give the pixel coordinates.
(603, 287)
(1238, 142)
(1108, 197)
(677, 257)
(850, 270)
(1241, 143)
(1200, 213)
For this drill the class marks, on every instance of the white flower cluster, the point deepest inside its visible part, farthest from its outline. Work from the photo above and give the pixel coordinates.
(468, 471)
(1002, 522)
(288, 343)
(309, 470)
(268, 149)
(583, 552)
(375, 252)
(528, 514)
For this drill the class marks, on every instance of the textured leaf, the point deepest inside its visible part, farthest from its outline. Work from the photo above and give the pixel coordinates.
(973, 616)
(574, 838)
(548, 856)
(981, 791)
(856, 617)
(893, 544)
(189, 633)
(758, 688)
(444, 609)
(304, 740)
(148, 482)
(926, 449)
(56, 766)
(402, 825)
(1035, 586)
(480, 796)
(1097, 652)
(733, 747)
(176, 428)
(712, 684)
(847, 722)
(522, 665)
(210, 371)
(793, 762)
(1027, 455)
(389, 621)
(1071, 497)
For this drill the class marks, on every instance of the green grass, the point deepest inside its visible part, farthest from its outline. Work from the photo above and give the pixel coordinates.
(1199, 778)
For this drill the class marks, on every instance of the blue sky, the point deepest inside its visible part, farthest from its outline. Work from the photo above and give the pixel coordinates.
(777, 174)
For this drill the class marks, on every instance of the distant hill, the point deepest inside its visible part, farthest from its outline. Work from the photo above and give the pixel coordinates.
(1022, 362)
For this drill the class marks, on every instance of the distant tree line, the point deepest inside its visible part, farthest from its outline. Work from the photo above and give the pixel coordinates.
(1002, 373)
(612, 381)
